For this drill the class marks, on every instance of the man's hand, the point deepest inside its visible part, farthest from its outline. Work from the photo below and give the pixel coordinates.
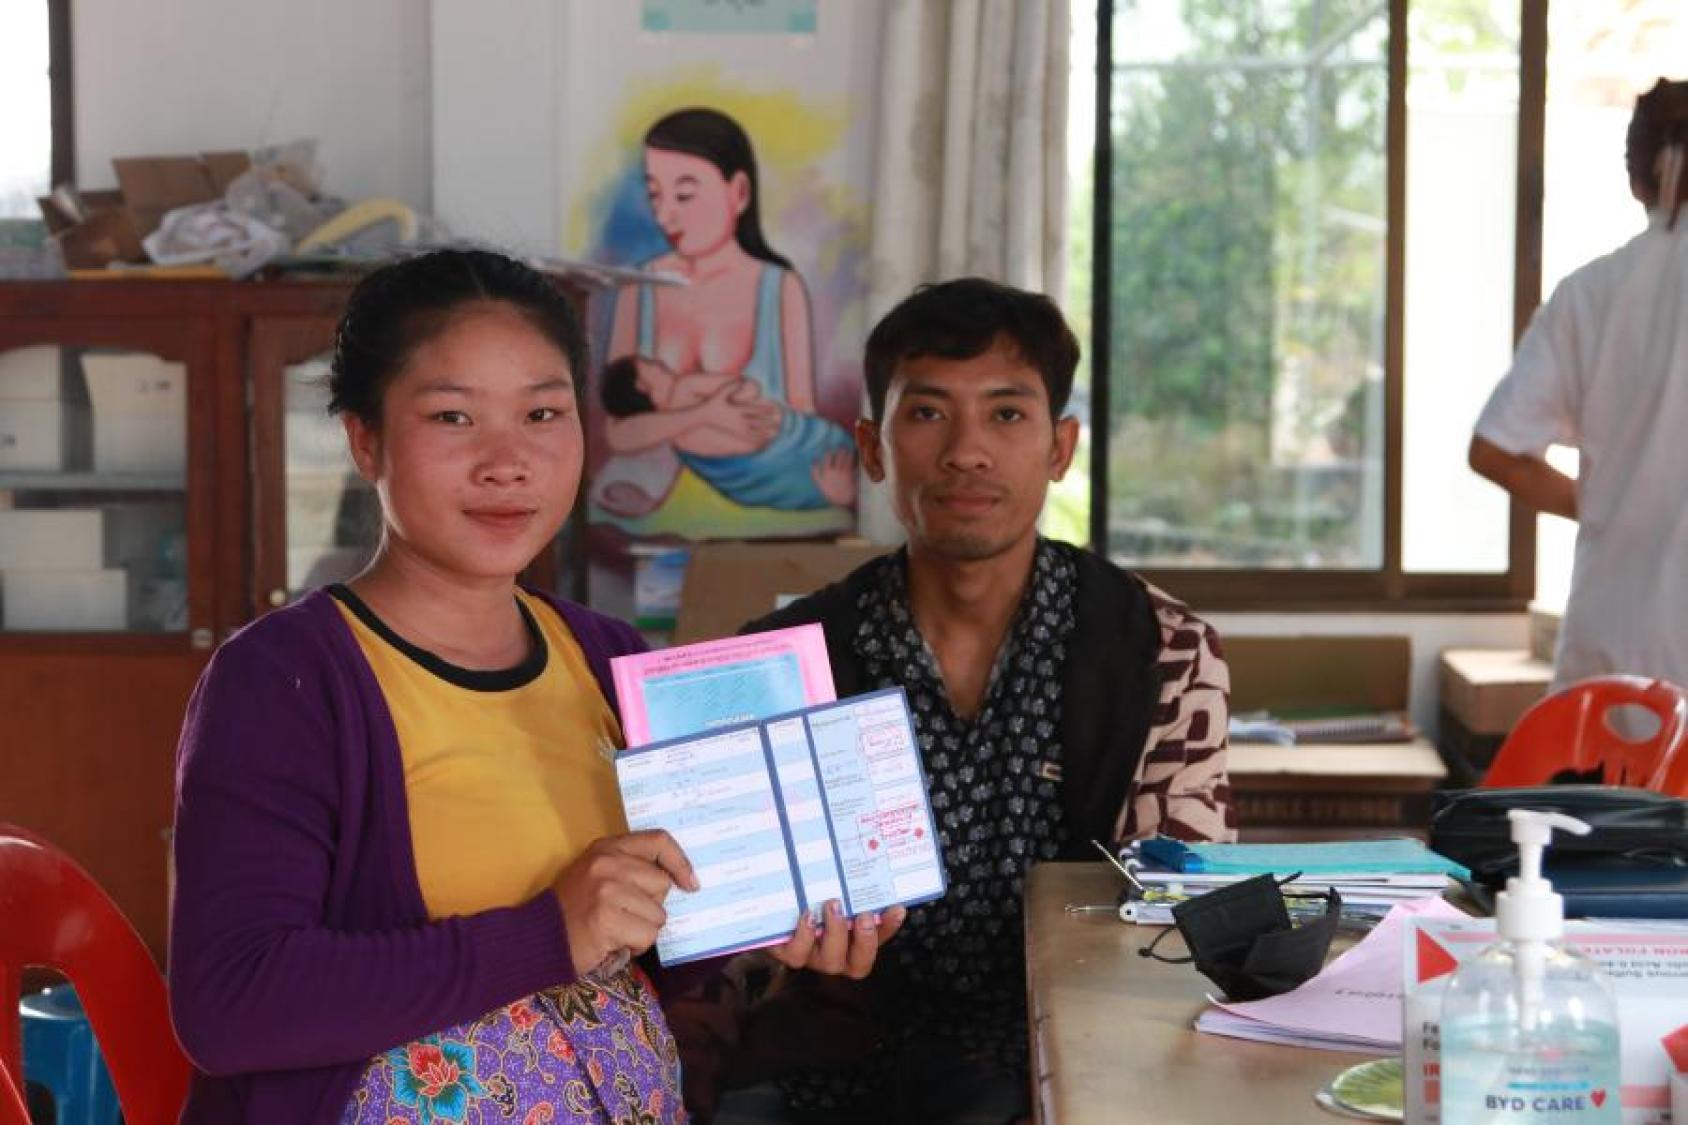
(844, 948)
(612, 895)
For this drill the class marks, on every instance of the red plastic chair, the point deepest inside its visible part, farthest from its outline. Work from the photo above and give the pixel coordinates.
(12, 1108)
(1566, 738)
(58, 918)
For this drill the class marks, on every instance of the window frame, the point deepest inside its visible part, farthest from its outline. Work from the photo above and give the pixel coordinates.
(1389, 588)
(62, 92)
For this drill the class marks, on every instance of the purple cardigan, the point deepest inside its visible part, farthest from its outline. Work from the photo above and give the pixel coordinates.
(300, 947)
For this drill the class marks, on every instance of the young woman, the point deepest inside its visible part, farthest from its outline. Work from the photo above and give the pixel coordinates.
(405, 890)
(743, 313)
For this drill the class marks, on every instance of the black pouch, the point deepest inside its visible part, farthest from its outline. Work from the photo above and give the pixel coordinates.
(1241, 938)
(1634, 864)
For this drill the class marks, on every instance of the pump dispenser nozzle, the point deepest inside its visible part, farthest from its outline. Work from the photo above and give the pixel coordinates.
(1528, 910)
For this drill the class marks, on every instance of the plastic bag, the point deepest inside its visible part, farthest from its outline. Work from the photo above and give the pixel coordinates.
(238, 244)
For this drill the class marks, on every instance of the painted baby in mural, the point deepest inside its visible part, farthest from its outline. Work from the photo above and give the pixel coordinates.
(725, 371)
(792, 460)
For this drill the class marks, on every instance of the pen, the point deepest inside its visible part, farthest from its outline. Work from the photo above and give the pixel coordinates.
(1123, 869)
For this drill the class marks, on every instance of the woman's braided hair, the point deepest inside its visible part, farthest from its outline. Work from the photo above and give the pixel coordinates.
(401, 306)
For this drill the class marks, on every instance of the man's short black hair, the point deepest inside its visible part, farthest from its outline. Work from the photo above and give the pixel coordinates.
(965, 318)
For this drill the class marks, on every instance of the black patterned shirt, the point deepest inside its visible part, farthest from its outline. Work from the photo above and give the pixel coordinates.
(957, 968)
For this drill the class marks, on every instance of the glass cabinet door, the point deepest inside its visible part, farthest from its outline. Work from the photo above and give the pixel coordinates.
(314, 520)
(93, 491)
(333, 522)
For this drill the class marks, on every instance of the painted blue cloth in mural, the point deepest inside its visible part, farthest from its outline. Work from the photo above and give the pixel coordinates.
(779, 474)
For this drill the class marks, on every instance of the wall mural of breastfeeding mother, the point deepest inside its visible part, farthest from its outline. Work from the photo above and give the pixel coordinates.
(723, 405)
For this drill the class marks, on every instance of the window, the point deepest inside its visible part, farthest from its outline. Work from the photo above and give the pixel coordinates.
(35, 90)
(1308, 225)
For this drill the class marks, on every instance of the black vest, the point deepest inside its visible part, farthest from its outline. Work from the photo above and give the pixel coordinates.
(1110, 686)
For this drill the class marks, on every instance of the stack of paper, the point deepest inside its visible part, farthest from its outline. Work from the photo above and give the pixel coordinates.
(1371, 875)
(1363, 895)
(1354, 1004)
(1331, 730)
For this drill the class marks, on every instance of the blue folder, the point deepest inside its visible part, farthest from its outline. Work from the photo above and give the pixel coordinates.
(1338, 857)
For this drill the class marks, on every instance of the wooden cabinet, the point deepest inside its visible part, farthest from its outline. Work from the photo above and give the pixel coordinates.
(129, 551)
(90, 705)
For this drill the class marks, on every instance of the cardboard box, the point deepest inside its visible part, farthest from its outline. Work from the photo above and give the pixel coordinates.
(728, 584)
(1287, 675)
(64, 600)
(31, 374)
(1314, 788)
(1544, 631)
(154, 185)
(1488, 690)
(51, 539)
(106, 235)
(140, 412)
(34, 416)
(32, 435)
(150, 186)
(1317, 790)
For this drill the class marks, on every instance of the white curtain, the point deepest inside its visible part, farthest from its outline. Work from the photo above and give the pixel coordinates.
(972, 157)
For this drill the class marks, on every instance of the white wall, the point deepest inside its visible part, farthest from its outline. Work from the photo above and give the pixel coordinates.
(194, 75)
(1430, 634)
(496, 172)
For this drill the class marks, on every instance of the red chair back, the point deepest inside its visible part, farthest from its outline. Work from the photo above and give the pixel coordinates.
(58, 918)
(1566, 737)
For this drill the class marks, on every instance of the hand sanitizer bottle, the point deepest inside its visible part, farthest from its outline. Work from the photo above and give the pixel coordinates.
(1529, 1027)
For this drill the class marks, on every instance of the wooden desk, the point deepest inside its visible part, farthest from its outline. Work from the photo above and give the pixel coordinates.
(1348, 790)
(1111, 1031)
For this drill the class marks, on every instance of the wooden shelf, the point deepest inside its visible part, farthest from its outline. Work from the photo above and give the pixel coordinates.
(92, 482)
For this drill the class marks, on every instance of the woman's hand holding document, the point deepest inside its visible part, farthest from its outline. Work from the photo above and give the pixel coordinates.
(609, 896)
(779, 810)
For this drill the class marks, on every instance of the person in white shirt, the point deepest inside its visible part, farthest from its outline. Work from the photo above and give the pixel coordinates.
(1603, 368)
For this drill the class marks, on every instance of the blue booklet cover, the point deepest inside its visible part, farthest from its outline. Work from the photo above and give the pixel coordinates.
(781, 814)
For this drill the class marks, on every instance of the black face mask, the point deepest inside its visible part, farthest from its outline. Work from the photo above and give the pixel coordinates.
(1241, 938)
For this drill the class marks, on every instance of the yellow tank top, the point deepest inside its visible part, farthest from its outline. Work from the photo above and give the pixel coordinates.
(507, 774)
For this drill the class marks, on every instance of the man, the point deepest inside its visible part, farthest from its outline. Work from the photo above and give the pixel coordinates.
(1058, 699)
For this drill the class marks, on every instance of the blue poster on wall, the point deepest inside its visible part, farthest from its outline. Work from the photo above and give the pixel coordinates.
(787, 17)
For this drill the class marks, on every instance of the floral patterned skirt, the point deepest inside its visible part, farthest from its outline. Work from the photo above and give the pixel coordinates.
(593, 1051)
